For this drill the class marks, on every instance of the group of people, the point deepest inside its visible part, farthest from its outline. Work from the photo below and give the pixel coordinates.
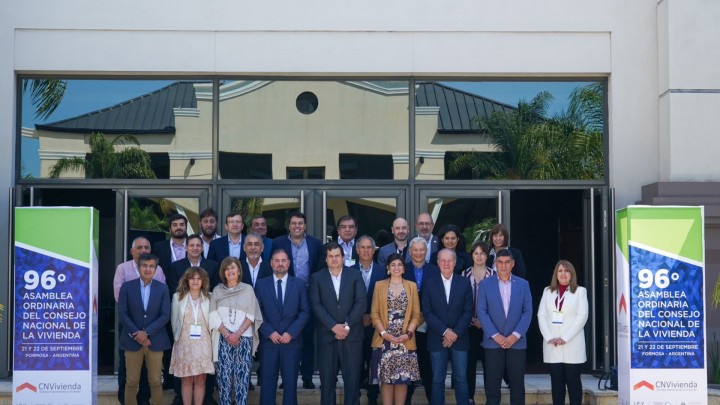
(387, 318)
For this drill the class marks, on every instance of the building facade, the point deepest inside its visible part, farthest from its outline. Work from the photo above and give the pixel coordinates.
(367, 64)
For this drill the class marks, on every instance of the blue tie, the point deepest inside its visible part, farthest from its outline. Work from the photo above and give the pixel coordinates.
(279, 294)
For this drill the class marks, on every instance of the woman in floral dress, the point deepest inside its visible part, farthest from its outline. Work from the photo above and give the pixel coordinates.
(395, 314)
(192, 353)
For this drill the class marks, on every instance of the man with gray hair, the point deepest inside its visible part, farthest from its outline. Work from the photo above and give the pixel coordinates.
(424, 226)
(371, 272)
(419, 271)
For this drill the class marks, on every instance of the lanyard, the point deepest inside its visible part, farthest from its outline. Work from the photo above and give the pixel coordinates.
(559, 301)
(195, 308)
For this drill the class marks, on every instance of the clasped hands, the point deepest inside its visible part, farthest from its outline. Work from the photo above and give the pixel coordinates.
(505, 342)
(277, 338)
(142, 338)
(388, 337)
(449, 338)
(556, 342)
(340, 331)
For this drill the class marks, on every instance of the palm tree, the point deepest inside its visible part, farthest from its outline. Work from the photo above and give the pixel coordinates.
(107, 161)
(46, 95)
(531, 145)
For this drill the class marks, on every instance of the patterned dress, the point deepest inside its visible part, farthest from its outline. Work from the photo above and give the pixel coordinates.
(394, 363)
(192, 357)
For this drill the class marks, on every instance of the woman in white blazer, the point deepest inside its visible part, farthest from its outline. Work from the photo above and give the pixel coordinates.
(192, 353)
(562, 314)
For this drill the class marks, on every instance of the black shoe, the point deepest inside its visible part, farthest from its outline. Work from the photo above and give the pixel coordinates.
(308, 385)
(210, 401)
(251, 387)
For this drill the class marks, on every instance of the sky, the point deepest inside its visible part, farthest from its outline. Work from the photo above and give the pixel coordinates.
(83, 96)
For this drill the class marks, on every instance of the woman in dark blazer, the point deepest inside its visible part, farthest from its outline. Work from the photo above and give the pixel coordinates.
(450, 237)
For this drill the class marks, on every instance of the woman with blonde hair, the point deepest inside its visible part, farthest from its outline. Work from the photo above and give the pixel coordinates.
(234, 319)
(562, 314)
(192, 353)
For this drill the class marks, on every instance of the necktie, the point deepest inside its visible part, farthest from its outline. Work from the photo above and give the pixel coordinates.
(279, 293)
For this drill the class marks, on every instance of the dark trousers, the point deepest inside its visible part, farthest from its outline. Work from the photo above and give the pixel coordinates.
(280, 359)
(425, 368)
(342, 356)
(475, 353)
(372, 389)
(562, 375)
(307, 365)
(499, 361)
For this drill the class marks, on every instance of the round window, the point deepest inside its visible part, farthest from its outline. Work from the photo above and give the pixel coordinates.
(306, 102)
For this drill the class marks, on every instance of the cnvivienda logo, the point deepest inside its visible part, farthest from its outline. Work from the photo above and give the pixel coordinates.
(26, 386)
(623, 304)
(645, 384)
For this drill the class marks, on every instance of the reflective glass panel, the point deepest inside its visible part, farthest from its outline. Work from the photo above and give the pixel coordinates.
(276, 210)
(313, 129)
(116, 129)
(509, 130)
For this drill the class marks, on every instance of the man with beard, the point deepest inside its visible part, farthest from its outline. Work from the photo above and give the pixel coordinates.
(424, 227)
(167, 253)
(285, 309)
(208, 229)
(254, 267)
(399, 245)
(258, 225)
(170, 251)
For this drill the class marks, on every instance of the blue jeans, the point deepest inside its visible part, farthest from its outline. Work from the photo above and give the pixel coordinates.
(439, 361)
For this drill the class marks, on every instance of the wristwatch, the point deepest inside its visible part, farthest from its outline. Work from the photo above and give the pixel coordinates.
(347, 327)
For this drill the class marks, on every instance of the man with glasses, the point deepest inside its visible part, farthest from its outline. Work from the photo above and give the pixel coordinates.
(232, 244)
(347, 230)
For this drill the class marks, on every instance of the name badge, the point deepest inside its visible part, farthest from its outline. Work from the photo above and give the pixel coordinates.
(195, 332)
(557, 317)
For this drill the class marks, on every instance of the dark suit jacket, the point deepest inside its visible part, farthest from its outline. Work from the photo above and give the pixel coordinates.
(492, 314)
(265, 271)
(429, 271)
(378, 273)
(293, 315)
(314, 251)
(267, 248)
(220, 249)
(163, 251)
(441, 314)
(519, 269)
(385, 251)
(178, 268)
(134, 317)
(462, 262)
(329, 310)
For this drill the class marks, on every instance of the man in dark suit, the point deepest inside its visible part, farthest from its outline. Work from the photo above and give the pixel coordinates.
(447, 306)
(504, 307)
(230, 245)
(338, 299)
(194, 258)
(419, 271)
(347, 230)
(254, 267)
(399, 245)
(144, 310)
(371, 272)
(304, 253)
(285, 309)
(424, 226)
(170, 251)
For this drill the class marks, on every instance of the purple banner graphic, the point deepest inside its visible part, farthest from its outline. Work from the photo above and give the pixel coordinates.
(52, 314)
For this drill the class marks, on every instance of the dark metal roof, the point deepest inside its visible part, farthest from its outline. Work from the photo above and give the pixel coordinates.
(153, 112)
(458, 109)
(149, 113)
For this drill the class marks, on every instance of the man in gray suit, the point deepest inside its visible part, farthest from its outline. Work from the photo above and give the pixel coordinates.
(338, 301)
(400, 233)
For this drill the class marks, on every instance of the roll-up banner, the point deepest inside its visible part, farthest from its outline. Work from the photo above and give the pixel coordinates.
(660, 306)
(56, 305)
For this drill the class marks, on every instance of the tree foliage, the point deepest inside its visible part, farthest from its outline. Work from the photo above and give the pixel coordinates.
(531, 145)
(109, 160)
(45, 94)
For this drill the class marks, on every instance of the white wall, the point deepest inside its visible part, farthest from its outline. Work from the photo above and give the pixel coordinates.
(526, 38)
